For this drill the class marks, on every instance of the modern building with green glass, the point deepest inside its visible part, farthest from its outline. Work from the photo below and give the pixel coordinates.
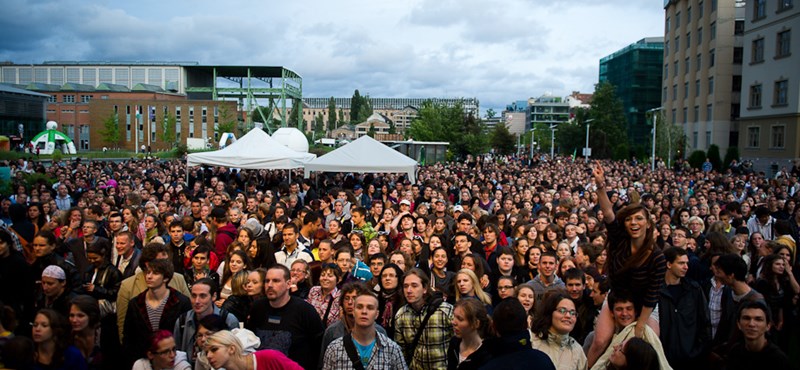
(636, 72)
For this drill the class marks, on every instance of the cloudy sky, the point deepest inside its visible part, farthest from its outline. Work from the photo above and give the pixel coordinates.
(497, 51)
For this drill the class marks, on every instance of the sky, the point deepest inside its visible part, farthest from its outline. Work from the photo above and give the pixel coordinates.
(496, 51)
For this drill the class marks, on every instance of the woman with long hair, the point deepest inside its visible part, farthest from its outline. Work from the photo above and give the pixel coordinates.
(261, 253)
(441, 279)
(521, 247)
(390, 296)
(131, 219)
(153, 229)
(470, 326)
(468, 286)
(238, 303)
(527, 297)
(255, 286)
(84, 318)
(776, 286)
(551, 237)
(51, 337)
(237, 261)
(161, 354)
(225, 350)
(531, 268)
(37, 216)
(635, 263)
(551, 328)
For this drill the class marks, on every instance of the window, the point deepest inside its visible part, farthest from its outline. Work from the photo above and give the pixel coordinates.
(694, 139)
(666, 47)
(686, 65)
(667, 25)
(697, 88)
(759, 9)
(664, 97)
(677, 20)
(708, 139)
(784, 5)
(666, 71)
(674, 92)
(69, 98)
(674, 118)
(688, 40)
(713, 5)
(52, 99)
(677, 43)
(758, 51)
(710, 85)
(685, 90)
(699, 36)
(713, 30)
(696, 113)
(738, 55)
(675, 68)
(738, 28)
(755, 96)
(699, 64)
(753, 134)
(689, 15)
(783, 47)
(712, 58)
(735, 109)
(685, 115)
(700, 9)
(85, 98)
(736, 83)
(778, 137)
(781, 92)
(709, 112)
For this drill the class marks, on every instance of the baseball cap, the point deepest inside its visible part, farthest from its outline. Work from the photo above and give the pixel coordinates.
(406, 202)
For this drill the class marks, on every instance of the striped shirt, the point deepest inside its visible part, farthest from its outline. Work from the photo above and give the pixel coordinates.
(154, 313)
(643, 282)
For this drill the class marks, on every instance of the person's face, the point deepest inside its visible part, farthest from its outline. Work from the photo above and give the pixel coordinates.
(753, 323)
(276, 285)
(618, 358)
(254, 285)
(94, 259)
(597, 296)
(413, 289)
(563, 250)
(389, 278)
(570, 231)
(566, 265)
(349, 302)
(505, 289)
(624, 313)
(464, 284)
(33, 212)
(334, 227)
(407, 247)
(365, 310)
(52, 287)
(440, 259)
(679, 267)
(779, 267)
(345, 261)
(289, 237)
(784, 253)
(195, 207)
(327, 280)
(199, 260)
(154, 280)
(202, 299)
(684, 217)
(547, 266)
(376, 265)
(575, 288)
(489, 236)
(236, 263)
(533, 258)
(527, 298)
(78, 319)
(398, 260)
(564, 317)
(461, 326)
(325, 251)
(464, 225)
(505, 262)
(355, 241)
(357, 218)
(42, 332)
(407, 223)
(41, 248)
(462, 244)
(636, 225)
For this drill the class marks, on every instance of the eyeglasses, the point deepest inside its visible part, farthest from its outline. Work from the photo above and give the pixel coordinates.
(166, 351)
(564, 311)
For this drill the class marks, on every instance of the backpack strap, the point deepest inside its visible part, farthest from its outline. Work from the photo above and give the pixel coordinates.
(327, 311)
(350, 348)
(432, 307)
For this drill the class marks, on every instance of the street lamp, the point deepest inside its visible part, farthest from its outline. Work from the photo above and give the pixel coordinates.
(655, 120)
(586, 150)
(552, 141)
(533, 137)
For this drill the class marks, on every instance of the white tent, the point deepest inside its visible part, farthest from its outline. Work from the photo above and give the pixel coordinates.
(364, 155)
(255, 150)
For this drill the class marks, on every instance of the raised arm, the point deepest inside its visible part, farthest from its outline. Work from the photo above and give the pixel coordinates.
(602, 197)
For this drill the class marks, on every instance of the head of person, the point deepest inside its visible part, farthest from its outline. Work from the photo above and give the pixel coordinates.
(557, 315)
(637, 222)
(202, 296)
(365, 309)
(277, 283)
(575, 281)
(224, 347)
(325, 250)
(54, 281)
(416, 287)
(505, 286)
(622, 307)
(390, 276)
(348, 295)
(509, 318)
(634, 353)
(49, 326)
(84, 313)
(44, 243)
(161, 350)
(730, 268)
(329, 276)
(158, 274)
(289, 233)
(548, 264)
(469, 317)
(677, 261)
(754, 319)
(526, 295)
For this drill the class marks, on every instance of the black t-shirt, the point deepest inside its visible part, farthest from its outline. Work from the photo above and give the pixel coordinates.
(294, 329)
(771, 357)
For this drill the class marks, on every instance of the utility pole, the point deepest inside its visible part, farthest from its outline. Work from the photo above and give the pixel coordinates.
(655, 121)
(552, 141)
(533, 138)
(587, 152)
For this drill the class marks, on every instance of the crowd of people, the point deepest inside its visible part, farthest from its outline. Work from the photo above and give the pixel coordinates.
(492, 262)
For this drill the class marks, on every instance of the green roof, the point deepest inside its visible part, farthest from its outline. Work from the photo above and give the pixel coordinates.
(69, 86)
(112, 87)
(38, 86)
(146, 87)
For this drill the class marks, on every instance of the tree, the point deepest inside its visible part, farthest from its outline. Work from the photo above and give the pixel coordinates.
(713, 156)
(168, 133)
(503, 141)
(608, 136)
(371, 131)
(438, 122)
(490, 113)
(319, 123)
(355, 107)
(331, 114)
(341, 116)
(730, 155)
(571, 138)
(110, 132)
(227, 121)
(365, 109)
(670, 139)
(392, 127)
(697, 158)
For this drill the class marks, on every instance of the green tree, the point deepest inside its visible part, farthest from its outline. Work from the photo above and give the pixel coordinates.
(571, 138)
(331, 114)
(227, 121)
(438, 122)
(355, 108)
(490, 113)
(168, 132)
(503, 141)
(319, 123)
(670, 139)
(730, 155)
(371, 131)
(341, 116)
(697, 158)
(714, 157)
(392, 127)
(365, 108)
(608, 136)
(110, 132)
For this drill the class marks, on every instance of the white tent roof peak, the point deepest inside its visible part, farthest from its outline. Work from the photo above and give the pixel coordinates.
(365, 155)
(254, 150)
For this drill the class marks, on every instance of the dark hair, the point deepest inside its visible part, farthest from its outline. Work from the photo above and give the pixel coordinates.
(286, 272)
(353, 286)
(288, 226)
(730, 263)
(509, 317)
(758, 304)
(213, 287)
(213, 322)
(544, 316)
(150, 253)
(61, 329)
(46, 234)
(641, 355)
(99, 248)
(645, 252)
(766, 270)
(310, 218)
(672, 253)
(575, 274)
(424, 279)
(475, 311)
(618, 296)
(5, 237)
(89, 306)
(332, 267)
(162, 267)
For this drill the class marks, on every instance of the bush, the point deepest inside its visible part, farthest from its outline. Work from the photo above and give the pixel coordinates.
(57, 155)
(181, 150)
(697, 158)
(713, 157)
(731, 154)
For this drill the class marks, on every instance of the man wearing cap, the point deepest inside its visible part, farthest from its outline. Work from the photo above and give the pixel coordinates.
(403, 227)
(55, 295)
(226, 232)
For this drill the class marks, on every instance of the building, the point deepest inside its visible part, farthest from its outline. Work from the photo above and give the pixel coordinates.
(635, 71)
(517, 117)
(770, 112)
(702, 71)
(549, 110)
(398, 111)
(375, 121)
(22, 113)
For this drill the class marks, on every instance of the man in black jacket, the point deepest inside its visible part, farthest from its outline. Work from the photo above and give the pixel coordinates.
(683, 315)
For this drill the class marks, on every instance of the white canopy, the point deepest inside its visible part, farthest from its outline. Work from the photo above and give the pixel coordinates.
(364, 155)
(255, 150)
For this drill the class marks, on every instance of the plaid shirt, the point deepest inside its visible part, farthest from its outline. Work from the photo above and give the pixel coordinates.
(386, 355)
(431, 352)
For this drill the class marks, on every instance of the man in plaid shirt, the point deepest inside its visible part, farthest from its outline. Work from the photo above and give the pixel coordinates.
(431, 350)
(373, 349)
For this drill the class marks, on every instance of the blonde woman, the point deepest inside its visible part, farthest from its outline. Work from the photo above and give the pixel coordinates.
(468, 285)
(237, 352)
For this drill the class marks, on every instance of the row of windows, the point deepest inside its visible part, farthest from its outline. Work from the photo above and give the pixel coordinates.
(780, 96)
(685, 114)
(760, 7)
(777, 137)
(783, 46)
(700, 13)
(737, 81)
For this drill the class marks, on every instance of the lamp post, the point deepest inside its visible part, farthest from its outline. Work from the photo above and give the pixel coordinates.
(533, 137)
(552, 141)
(586, 151)
(655, 120)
